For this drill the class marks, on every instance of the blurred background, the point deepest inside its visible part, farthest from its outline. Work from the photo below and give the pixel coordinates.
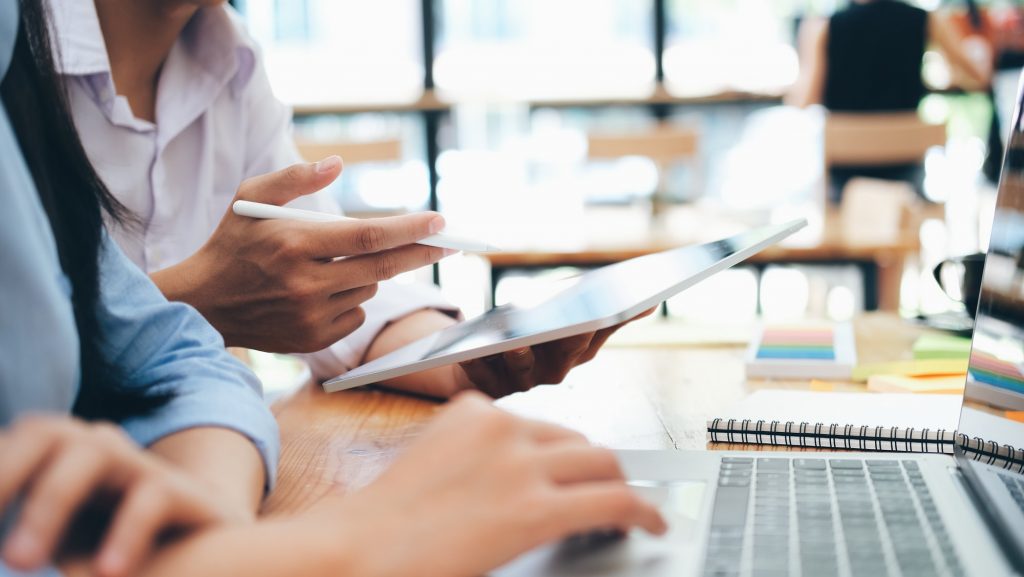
(578, 132)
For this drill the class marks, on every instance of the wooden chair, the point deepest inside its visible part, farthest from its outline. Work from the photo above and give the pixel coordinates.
(665, 145)
(879, 139)
(877, 211)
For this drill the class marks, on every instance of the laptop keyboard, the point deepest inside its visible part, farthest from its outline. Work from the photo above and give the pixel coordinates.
(781, 517)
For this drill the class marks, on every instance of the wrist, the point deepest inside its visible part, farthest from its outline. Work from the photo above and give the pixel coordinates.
(183, 281)
(347, 535)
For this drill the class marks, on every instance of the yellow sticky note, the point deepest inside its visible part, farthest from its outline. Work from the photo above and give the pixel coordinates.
(941, 385)
(921, 368)
(822, 386)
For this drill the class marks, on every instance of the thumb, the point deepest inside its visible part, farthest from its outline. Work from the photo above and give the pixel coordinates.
(281, 187)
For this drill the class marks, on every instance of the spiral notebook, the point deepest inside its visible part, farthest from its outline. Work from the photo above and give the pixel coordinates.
(904, 423)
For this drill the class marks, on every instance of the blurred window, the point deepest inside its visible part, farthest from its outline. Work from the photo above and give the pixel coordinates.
(727, 45)
(544, 49)
(340, 51)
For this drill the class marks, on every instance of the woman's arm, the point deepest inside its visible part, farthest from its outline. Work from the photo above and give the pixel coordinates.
(809, 88)
(224, 461)
(215, 426)
(971, 73)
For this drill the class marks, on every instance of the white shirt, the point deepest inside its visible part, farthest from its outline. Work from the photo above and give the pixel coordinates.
(218, 124)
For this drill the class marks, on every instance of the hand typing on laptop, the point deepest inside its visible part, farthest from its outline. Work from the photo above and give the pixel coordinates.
(476, 489)
(480, 486)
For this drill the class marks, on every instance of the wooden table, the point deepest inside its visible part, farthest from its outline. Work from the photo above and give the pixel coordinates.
(627, 398)
(614, 234)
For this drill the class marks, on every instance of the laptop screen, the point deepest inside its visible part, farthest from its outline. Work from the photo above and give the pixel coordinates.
(993, 413)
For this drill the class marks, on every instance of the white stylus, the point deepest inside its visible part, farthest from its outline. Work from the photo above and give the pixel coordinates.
(269, 211)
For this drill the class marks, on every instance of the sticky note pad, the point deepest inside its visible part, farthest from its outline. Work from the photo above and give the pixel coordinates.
(941, 385)
(942, 347)
(925, 368)
(802, 351)
(1017, 416)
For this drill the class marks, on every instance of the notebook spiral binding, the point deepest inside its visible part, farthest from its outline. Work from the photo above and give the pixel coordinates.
(863, 438)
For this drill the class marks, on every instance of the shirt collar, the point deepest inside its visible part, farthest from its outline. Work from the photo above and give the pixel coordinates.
(213, 40)
(8, 33)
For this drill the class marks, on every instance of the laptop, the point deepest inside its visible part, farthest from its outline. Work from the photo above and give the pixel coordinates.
(787, 514)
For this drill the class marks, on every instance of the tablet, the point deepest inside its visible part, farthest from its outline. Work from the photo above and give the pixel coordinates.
(598, 299)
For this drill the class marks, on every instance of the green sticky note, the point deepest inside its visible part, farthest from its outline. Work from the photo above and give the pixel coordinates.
(942, 347)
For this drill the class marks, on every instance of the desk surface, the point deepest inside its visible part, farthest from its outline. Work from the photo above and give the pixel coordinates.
(627, 398)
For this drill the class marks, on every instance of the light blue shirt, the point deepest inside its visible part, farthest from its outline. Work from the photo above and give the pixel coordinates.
(159, 346)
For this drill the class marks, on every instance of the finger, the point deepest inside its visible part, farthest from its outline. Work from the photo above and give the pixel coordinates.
(374, 268)
(349, 321)
(286, 185)
(570, 463)
(58, 494)
(543, 432)
(342, 302)
(372, 235)
(600, 338)
(557, 358)
(518, 364)
(644, 314)
(598, 506)
(22, 455)
(146, 511)
(482, 375)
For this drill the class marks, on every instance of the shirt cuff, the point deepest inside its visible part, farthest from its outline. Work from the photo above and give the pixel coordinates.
(211, 404)
(392, 302)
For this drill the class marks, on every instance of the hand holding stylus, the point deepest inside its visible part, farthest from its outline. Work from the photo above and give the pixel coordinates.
(278, 285)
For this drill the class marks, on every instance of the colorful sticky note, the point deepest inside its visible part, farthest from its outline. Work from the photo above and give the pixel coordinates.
(797, 343)
(942, 385)
(924, 368)
(822, 386)
(942, 347)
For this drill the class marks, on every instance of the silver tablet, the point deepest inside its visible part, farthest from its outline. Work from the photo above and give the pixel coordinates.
(599, 299)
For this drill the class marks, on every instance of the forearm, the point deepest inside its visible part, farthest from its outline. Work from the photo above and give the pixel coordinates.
(441, 382)
(971, 73)
(266, 549)
(222, 460)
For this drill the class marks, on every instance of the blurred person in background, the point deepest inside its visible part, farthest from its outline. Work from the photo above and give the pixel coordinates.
(867, 58)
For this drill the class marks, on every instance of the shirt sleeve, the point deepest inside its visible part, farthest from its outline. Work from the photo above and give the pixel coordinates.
(169, 348)
(272, 147)
(48, 572)
(393, 301)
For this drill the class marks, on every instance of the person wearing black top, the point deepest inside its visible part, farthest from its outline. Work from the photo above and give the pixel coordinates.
(867, 58)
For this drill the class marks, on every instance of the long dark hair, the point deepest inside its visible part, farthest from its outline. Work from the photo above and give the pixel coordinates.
(75, 200)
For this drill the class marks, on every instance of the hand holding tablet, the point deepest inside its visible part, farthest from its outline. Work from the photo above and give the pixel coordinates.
(601, 299)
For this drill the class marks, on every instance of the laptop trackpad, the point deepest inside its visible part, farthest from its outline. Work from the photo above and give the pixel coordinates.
(681, 502)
